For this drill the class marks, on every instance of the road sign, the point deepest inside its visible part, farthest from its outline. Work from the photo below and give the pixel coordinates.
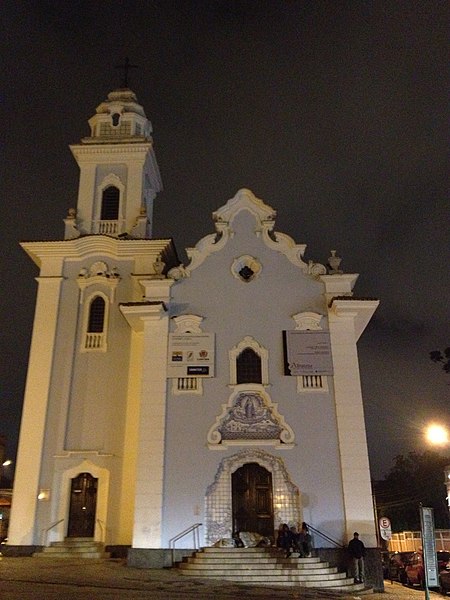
(385, 528)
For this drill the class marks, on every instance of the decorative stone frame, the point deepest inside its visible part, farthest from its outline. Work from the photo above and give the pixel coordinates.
(310, 383)
(110, 180)
(97, 280)
(218, 498)
(283, 440)
(249, 342)
(94, 342)
(246, 261)
(187, 385)
(61, 495)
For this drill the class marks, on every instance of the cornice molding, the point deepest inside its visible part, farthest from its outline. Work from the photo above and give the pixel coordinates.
(91, 245)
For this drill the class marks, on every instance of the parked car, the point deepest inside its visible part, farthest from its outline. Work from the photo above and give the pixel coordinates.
(415, 571)
(396, 566)
(444, 579)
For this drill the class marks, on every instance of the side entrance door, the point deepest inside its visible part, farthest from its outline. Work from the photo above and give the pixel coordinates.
(83, 502)
(252, 500)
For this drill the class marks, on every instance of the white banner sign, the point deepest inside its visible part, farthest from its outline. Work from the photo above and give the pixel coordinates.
(191, 355)
(308, 352)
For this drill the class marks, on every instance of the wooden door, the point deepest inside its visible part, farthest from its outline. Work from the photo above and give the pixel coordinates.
(83, 502)
(252, 500)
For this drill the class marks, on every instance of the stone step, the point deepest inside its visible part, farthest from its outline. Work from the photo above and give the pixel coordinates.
(192, 562)
(74, 548)
(245, 552)
(266, 566)
(47, 555)
(255, 571)
(71, 549)
(347, 588)
(346, 583)
(241, 554)
(76, 544)
(307, 563)
(233, 566)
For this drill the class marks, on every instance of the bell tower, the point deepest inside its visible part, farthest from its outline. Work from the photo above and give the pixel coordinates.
(119, 175)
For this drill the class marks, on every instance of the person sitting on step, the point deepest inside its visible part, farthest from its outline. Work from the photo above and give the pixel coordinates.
(284, 539)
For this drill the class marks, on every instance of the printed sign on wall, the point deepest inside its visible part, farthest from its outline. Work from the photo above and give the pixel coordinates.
(308, 352)
(191, 355)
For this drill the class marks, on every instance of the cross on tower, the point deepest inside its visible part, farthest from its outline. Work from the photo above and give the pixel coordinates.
(126, 68)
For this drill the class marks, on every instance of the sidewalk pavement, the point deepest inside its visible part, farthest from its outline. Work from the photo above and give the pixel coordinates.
(89, 579)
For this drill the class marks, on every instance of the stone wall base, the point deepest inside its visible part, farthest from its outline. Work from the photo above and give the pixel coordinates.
(117, 551)
(16, 551)
(338, 557)
(156, 558)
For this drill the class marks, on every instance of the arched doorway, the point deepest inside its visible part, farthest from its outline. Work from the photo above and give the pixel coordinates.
(218, 498)
(252, 501)
(83, 503)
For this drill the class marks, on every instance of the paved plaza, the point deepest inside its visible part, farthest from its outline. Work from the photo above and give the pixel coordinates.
(78, 579)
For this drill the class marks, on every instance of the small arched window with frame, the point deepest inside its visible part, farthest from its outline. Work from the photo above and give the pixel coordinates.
(248, 367)
(249, 363)
(95, 333)
(110, 204)
(96, 315)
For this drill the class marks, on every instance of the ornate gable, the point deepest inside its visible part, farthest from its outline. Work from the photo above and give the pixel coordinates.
(264, 216)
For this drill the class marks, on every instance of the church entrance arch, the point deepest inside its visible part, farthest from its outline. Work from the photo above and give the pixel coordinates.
(219, 509)
(83, 504)
(252, 500)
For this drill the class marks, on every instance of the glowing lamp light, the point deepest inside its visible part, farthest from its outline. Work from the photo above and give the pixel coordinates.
(437, 435)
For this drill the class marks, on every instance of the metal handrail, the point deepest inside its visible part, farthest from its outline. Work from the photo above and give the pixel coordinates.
(45, 532)
(102, 530)
(194, 529)
(325, 536)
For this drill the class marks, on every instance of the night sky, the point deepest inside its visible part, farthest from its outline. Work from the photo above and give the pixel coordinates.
(334, 113)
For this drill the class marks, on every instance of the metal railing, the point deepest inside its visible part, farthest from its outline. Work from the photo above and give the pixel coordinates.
(325, 536)
(46, 532)
(102, 526)
(195, 530)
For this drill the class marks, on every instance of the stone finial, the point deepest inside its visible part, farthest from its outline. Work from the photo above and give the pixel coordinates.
(158, 267)
(334, 263)
(71, 230)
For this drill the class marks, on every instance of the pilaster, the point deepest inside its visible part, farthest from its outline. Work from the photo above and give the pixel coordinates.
(357, 491)
(26, 485)
(153, 321)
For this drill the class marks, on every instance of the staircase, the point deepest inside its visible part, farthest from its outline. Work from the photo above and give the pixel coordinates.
(266, 566)
(73, 548)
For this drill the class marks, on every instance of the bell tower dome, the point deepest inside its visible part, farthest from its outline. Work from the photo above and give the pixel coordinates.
(119, 175)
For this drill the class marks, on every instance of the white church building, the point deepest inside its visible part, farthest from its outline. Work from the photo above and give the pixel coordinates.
(224, 392)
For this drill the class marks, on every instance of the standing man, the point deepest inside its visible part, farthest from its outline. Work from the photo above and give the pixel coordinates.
(357, 551)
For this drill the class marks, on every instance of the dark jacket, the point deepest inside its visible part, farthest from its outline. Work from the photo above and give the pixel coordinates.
(356, 548)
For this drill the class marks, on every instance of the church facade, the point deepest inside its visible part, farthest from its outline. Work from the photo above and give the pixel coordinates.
(160, 395)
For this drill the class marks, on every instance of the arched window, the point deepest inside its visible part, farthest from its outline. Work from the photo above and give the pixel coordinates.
(249, 363)
(96, 315)
(110, 204)
(248, 367)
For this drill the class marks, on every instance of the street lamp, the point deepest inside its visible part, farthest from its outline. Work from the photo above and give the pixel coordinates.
(437, 434)
(3, 470)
